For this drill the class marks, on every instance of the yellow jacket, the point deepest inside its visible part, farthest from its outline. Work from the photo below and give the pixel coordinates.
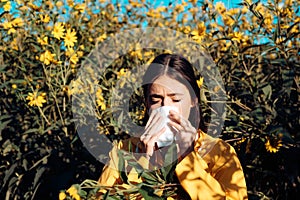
(211, 171)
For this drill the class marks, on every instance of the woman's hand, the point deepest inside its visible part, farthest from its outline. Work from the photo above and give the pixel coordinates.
(152, 132)
(185, 133)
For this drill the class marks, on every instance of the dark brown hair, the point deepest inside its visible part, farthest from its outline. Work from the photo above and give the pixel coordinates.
(180, 69)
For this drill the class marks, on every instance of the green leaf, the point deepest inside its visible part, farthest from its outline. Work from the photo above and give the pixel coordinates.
(288, 79)
(121, 167)
(38, 175)
(146, 193)
(82, 193)
(267, 90)
(149, 178)
(32, 130)
(8, 174)
(170, 163)
(3, 123)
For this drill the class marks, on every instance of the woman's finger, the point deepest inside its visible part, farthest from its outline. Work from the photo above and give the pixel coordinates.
(151, 140)
(175, 117)
(152, 127)
(153, 136)
(153, 114)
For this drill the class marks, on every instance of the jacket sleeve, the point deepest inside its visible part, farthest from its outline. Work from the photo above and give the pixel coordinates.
(110, 174)
(217, 175)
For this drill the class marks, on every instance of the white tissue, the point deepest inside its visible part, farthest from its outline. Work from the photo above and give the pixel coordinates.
(167, 137)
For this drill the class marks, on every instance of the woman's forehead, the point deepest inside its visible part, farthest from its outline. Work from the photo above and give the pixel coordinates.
(169, 85)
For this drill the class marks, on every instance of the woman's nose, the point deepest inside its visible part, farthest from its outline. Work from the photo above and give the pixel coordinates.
(166, 102)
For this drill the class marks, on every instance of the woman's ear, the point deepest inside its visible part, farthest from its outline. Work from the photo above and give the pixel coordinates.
(194, 102)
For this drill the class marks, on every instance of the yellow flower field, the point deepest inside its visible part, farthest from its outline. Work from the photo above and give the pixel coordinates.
(50, 111)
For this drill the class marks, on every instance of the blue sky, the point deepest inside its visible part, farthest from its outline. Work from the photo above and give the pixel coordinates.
(227, 3)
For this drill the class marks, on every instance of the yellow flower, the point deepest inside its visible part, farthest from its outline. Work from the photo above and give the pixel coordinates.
(244, 10)
(70, 38)
(193, 1)
(62, 196)
(161, 9)
(220, 7)
(135, 4)
(14, 86)
(179, 8)
(9, 26)
(153, 13)
(45, 18)
(136, 53)
(7, 6)
(33, 6)
(35, 99)
(72, 55)
(76, 87)
(186, 29)
(236, 36)
(242, 140)
(47, 57)
(73, 193)
(81, 47)
(124, 75)
(228, 20)
(80, 53)
(59, 4)
(58, 30)
(74, 58)
(139, 114)
(80, 7)
(159, 192)
(259, 7)
(268, 21)
(168, 51)
(43, 41)
(102, 37)
(100, 99)
(121, 73)
(17, 22)
(273, 145)
(279, 40)
(233, 11)
(294, 29)
(14, 44)
(49, 4)
(200, 82)
(70, 3)
(199, 34)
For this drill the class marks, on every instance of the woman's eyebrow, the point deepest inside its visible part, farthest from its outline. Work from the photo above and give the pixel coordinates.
(170, 95)
(155, 95)
(175, 94)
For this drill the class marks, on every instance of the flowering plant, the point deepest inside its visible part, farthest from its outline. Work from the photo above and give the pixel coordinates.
(255, 46)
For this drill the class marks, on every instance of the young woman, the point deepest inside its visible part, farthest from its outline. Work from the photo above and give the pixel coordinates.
(212, 174)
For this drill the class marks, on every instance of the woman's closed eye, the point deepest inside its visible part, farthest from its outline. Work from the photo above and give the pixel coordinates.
(157, 100)
(176, 100)
(154, 100)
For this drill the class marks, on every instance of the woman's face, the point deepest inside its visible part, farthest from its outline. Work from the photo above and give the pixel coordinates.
(166, 91)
